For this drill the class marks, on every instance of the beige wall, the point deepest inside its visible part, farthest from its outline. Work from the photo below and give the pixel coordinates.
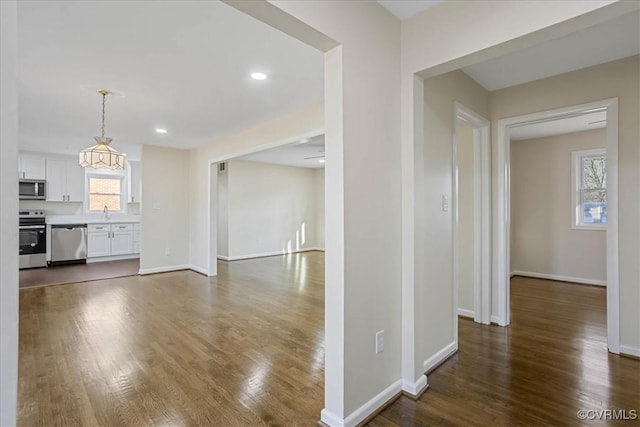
(165, 219)
(542, 238)
(8, 210)
(319, 174)
(434, 280)
(466, 214)
(271, 209)
(614, 79)
(223, 212)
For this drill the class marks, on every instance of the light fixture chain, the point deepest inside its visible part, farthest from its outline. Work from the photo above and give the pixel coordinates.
(104, 97)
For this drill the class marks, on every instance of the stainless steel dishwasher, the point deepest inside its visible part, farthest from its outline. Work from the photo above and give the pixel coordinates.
(69, 244)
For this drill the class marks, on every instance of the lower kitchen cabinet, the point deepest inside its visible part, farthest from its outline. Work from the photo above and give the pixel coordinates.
(109, 240)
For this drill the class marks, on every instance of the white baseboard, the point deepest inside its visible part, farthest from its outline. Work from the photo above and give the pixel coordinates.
(199, 269)
(365, 410)
(112, 258)
(495, 319)
(166, 269)
(440, 356)
(629, 350)
(559, 278)
(466, 313)
(266, 254)
(415, 389)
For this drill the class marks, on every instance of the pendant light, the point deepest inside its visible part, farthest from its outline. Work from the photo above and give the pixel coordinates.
(102, 155)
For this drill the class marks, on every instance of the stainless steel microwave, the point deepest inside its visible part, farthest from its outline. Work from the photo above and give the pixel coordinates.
(33, 189)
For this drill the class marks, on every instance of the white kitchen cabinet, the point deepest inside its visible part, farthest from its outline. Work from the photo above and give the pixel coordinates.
(134, 182)
(109, 239)
(136, 238)
(65, 181)
(121, 239)
(31, 167)
(98, 243)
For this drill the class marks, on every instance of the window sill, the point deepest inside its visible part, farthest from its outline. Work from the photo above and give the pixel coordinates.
(598, 227)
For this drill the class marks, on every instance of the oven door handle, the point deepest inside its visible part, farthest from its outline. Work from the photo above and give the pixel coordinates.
(31, 227)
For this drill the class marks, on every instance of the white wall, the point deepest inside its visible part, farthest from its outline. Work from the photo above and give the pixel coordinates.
(542, 240)
(8, 213)
(271, 209)
(466, 214)
(319, 176)
(223, 209)
(614, 79)
(165, 217)
(434, 283)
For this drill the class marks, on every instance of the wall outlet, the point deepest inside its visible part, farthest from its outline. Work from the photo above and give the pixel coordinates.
(167, 251)
(156, 206)
(380, 341)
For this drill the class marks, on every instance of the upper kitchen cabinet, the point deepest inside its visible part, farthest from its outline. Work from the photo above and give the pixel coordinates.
(65, 181)
(31, 167)
(134, 182)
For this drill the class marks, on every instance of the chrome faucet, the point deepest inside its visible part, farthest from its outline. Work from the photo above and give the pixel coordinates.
(106, 212)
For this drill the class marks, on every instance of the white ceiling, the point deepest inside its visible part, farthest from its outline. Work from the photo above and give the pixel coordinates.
(404, 9)
(615, 39)
(562, 126)
(183, 65)
(296, 154)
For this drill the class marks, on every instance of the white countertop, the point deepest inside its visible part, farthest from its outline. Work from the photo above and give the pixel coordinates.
(91, 219)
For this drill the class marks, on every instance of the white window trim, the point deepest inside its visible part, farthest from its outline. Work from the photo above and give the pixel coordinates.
(576, 178)
(101, 173)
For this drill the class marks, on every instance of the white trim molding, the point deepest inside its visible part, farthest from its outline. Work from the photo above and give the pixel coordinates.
(482, 214)
(559, 278)
(112, 258)
(629, 350)
(267, 254)
(145, 271)
(466, 313)
(415, 389)
(200, 270)
(442, 355)
(502, 207)
(361, 414)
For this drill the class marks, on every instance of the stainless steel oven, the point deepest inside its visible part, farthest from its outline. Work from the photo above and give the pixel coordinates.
(33, 239)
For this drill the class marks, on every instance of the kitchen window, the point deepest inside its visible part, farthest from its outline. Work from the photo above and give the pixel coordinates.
(105, 190)
(589, 189)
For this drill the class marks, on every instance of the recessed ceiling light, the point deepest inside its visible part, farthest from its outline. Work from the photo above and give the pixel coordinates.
(161, 130)
(258, 76)
(321, 160)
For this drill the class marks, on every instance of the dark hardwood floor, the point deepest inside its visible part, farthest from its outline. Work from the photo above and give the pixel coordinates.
(73, 273)
(549, 364)
(246, 348)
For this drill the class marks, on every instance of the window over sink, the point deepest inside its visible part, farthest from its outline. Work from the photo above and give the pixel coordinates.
(105, 190)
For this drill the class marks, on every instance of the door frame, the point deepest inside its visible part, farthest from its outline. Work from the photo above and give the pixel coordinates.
(503, 205)
(482, 215)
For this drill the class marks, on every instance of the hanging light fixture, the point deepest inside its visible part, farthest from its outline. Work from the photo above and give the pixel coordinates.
(102, 155)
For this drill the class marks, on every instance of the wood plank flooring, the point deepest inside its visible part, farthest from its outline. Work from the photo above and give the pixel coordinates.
(551, 362)
(245, 348)
(64, 274)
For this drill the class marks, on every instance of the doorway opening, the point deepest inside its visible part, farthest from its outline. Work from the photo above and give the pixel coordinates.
(502, 231)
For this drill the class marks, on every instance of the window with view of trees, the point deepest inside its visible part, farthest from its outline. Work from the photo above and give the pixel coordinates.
(590, 188)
